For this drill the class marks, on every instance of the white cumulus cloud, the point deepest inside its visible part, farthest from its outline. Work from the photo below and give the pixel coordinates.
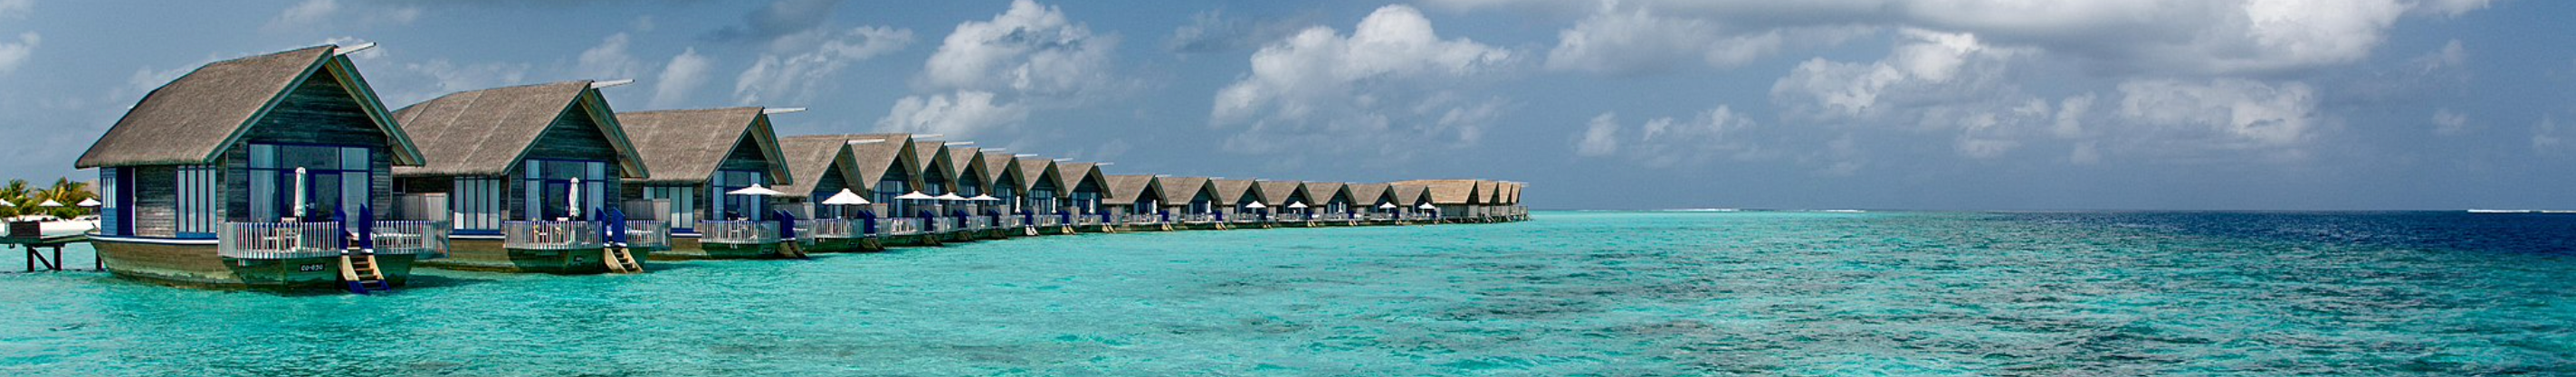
(2450, 123)
(959, 115)
(682, 76)
(794, 73)
(1600, 136)
(1031, 48)
(1392, 75)
(13, 54)
(2225, 113)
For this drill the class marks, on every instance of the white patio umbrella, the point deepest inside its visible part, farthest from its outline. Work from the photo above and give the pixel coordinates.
(985, 198)
(916, 195)
(846, 198)
(1427, 206)
(91, 202)
(1296, 205)
(50, 203)
(755, 190)
(949, 197)
(1255, 205)
(1386, 206)
(5, 203)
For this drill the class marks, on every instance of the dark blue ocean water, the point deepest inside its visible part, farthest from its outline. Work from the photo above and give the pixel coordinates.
(1568, 294)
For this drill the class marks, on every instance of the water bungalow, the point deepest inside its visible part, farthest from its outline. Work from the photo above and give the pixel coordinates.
(1002, 173)
(1373, 203)
(523, 175)
(1288, 202)
(1241, 202)
(1452, 199)
(704, 162)
(945, 211)
(1199, 210)
(1082, 201)
(889, 165)
(1043, 206)
(1135, 202)
(1413, 202)
(824, 198)
(981, 220)
(1336, 208)
(245, 173)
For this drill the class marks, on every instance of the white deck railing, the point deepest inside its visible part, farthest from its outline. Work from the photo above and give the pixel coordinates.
(830, 228)
(979, 222)
(1049, 220)
(421, 239)
(1011, 221)
(648, 234)
(550, 235)
(951, 224)
(278, 240)
(738, 232)
(901, 226)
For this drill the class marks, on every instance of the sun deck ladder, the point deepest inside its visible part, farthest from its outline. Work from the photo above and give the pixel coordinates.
(621, 261)
(358, 270)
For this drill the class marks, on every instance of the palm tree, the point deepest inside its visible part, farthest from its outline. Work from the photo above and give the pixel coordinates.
(68, 193)
(16, 193)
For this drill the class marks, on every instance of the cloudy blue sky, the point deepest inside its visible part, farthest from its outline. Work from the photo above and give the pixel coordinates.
(1933, 104)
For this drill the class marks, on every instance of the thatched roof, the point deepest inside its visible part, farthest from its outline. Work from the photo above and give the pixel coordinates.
(1278, 193)
(1125, 189)
(1410, 194)
(998, 165)
(876, 153)
(1512, 193)
(1230, 192)
(966, 164)
(1369, 194)
(1068, 175)
(932, 160)
(486, 132)
(1039, 169)
(1450, 191)
(686, 146)
(1491, 192)
(1329, 190)
(1182, 189)
(811, 157)
(193, 119)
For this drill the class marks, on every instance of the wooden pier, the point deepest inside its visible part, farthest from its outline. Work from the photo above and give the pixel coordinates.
(37, 245)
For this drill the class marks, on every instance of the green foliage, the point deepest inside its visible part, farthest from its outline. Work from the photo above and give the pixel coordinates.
(25, 198)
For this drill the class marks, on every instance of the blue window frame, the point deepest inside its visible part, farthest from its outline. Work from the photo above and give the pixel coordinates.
(335, 178)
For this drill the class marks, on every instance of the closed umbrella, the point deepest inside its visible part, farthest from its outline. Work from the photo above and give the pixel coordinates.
(572, 198)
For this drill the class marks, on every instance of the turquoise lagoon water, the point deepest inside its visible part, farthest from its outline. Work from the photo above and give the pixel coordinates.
(1568, 294)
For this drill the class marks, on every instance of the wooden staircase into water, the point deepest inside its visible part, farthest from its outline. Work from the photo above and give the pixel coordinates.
(620, 261)
(359, 271)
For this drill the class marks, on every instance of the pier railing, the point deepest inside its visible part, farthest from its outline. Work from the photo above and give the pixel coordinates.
(830, 228)
(979, 222)
(738, 232)
(421, 239)
(648, 234)
(1011, 221)
(1049, 220)
(550, 235)
(950, 224)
